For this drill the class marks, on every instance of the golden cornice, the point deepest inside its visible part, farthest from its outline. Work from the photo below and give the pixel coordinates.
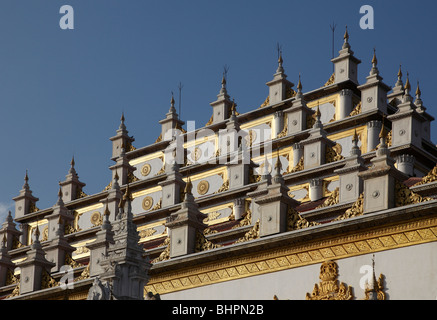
(377, 239)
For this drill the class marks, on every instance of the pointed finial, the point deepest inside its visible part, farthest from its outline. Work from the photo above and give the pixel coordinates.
(374, 60)
(418, 92)
(278, 165)
(37, 234)
(127, 194)
(399, 82)
(26, 181)
(72, 163)
(188, 186)
(383, 132)
(122, 125)
(318, 114)
(280, 60)
(299, 85)
(106, 212)
(355, 137)
(407, 83)
(346, 40)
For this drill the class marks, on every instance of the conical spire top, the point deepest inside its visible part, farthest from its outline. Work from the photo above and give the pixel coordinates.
(188, 187)
(60, 201)
(26, 181)
(280, 61)
(37, 234)
(172, 102)
(317, 123)
(418, 92)
(399, 82)
(355, 150)
(346, 44)
(407, 83)
(407, 88)
(374, 69)
(122, 125)
(374, 60)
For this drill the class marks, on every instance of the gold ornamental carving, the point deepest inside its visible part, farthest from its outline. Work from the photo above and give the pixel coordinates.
(299, 166)
(96, 219)
(250, 138)
(296, 222)
(332, 199)
(329, 288)
(330, 81)
(147, 203)
(354, 211)
(333, 153)
(202, 187)
(430, 177)
(145, 169)
(339, 247)
(404, 196)
(252, 234)
(357, 110)
(203, 244)
(265, 103)
(196, 154)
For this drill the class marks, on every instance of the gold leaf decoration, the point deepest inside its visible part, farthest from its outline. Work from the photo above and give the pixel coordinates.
(329, 287)
(430, 177)
(332, 199)
(404, 196)
(355, 211)
(330, 81)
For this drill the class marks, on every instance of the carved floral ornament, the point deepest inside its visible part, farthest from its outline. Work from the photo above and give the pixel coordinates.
(330, 288)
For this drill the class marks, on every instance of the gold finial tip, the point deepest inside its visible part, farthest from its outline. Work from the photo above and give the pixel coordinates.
(172, 98)
(355, 136)
(418, 92)
(299, 84)
(400, 71)
(407, 83)
(188, 186)
(318, 111)
(374, 60)
(346, 34)
(122, 117)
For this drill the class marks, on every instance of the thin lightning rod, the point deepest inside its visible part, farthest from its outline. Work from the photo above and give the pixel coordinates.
(333, 27)
(180, 86)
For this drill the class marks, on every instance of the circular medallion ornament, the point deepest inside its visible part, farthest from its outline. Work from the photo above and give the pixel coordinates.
(147, 203)
(196, 154)
(96, 218)
(250, 138)
(202, 187)
(145, 170)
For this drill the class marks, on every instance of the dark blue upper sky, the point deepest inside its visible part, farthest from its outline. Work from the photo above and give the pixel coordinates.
(62, 92)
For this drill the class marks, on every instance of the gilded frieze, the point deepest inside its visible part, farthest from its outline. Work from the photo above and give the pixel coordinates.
(342, 246)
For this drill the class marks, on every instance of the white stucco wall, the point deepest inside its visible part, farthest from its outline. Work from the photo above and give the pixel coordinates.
(410, 273)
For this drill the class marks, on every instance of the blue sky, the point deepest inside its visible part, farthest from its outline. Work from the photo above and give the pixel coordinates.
(62, 91)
